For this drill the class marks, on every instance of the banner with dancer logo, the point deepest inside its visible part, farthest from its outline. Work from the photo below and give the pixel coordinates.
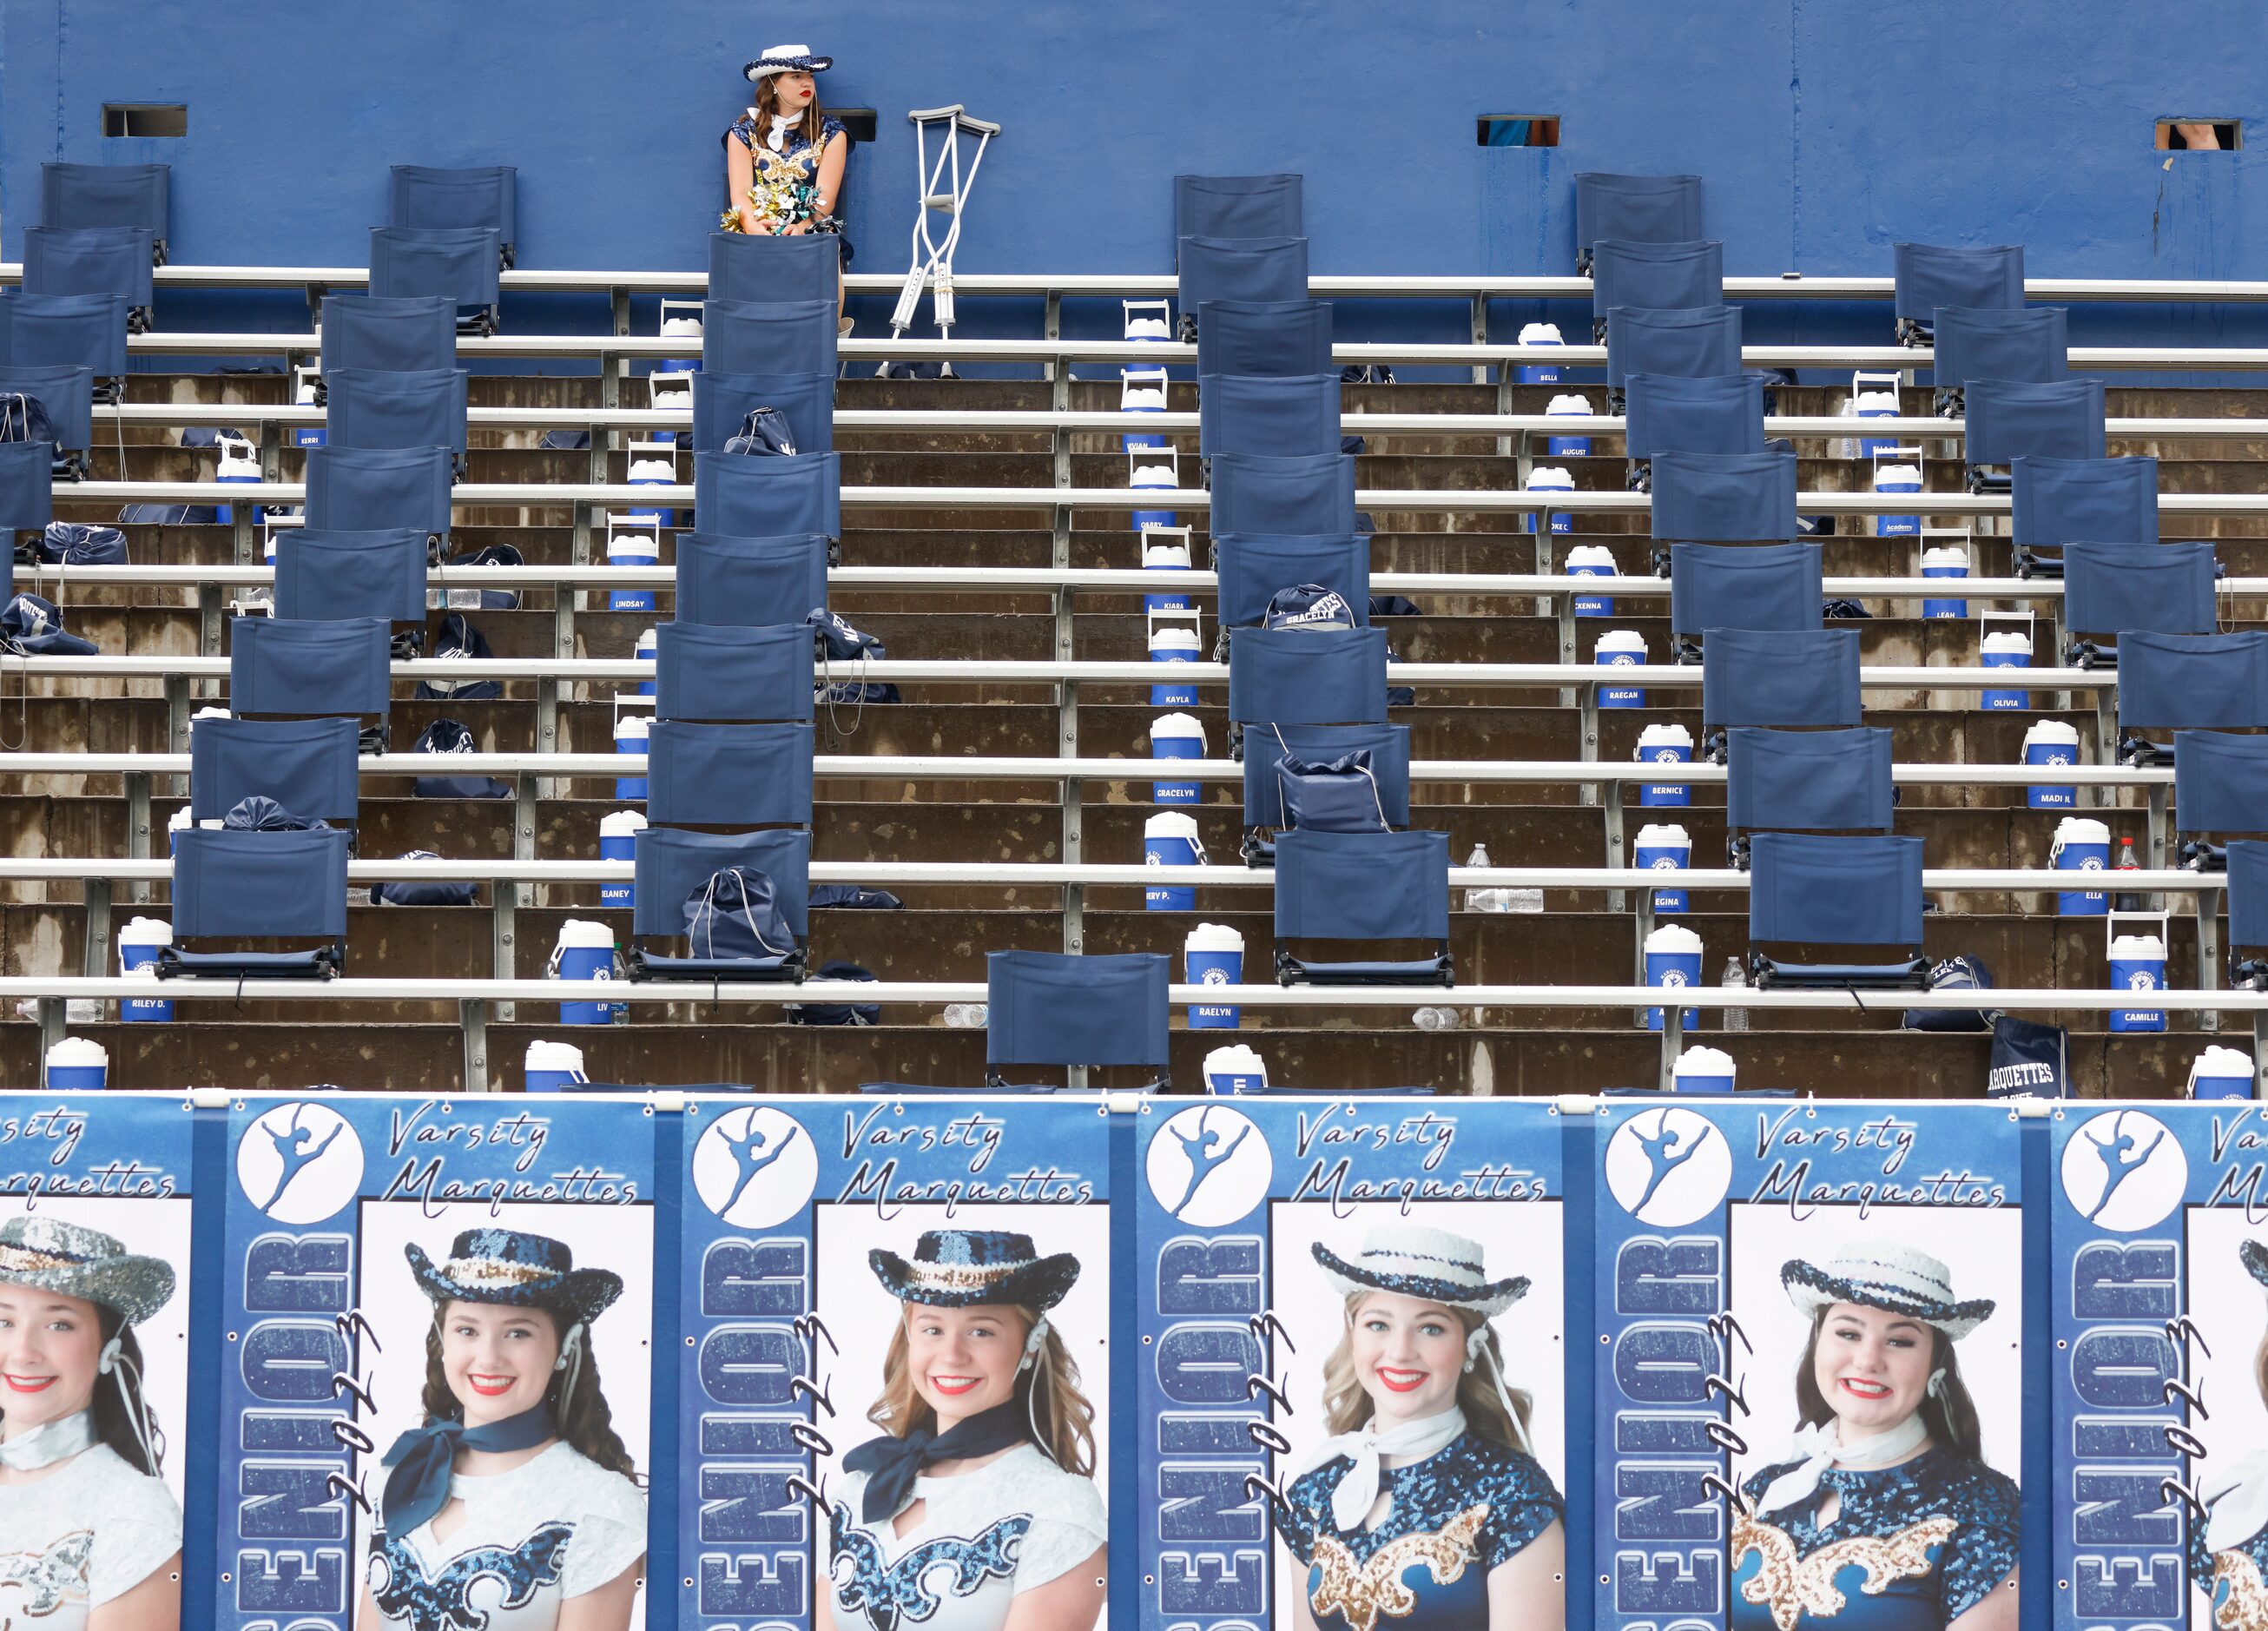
(1354, 1362)
(872, 1290)
(1810, 1375)
(95, 1228)
(2160, 1317)
(435, 1388)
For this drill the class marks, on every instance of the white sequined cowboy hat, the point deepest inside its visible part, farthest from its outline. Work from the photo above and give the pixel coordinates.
(48, 1254)
(1895, 1278)
(787, 59)
(1430, 1264)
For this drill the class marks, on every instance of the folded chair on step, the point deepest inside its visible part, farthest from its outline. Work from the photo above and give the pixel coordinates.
(1757, 587)
(749, 495)
(1808, 888)
(323, 574)
(672, 867)
(482, 197)
(1302, 494)
(1743, 498)
(2054, 502)
(728, 775)
(1928, 275)
(1276, 339)
(308, 766)
(398, 333)
(102, 194)
(255, 885)
(722, 401)
(2111, 588)
(1634, 209)
(458, 263)
(750, 582)
(1237, 206)
(1658, 277)
(1047, 1008)
(1363, 886)
(767, 270)
(706, 673)
(364, 489)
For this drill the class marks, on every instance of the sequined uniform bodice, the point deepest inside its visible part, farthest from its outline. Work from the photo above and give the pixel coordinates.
(1912, 1548)
(1456, 1515)
(784, 185)
(2236, 1579)
(83, 1535)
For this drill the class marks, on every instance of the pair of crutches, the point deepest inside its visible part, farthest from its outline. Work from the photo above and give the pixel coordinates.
(932, 258)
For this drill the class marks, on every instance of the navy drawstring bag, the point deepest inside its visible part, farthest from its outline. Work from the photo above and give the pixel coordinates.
(1338, 796)
(736, 913)
(453, 736)
(460, 639)
(1957, 973)
(261, 814)
(75, 543)
(423, 894)
(836, 1013)
(31, 626)
(2029, 1061)
(763, 431)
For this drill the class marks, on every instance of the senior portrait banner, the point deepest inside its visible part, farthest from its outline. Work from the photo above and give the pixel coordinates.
(897, 1355)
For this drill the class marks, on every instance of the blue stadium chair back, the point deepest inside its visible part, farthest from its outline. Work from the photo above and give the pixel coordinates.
(1306, 677)
(1254, 565)
(1821, 781)
(1237, 206)
(1756, 586)
(1043, 1008)
(2056, 501)
(1363, 886)
(1635, 208)
(66, 331)
(90, 259)
(305, 765)
(2010, 419)
(768, 336)
(1694, 342)
(27, 487)
(749, 496)
(402, 334)
(1659, 277)
(750, 582)
(1241, 269)
(1277, 339)
(1309, 493)
(1264, 746)
(485, 196)
(668, 864)
(2247, 893)
(1774, 677)
(2031, 344)
(363, 488)
(1813, 889)
(66, 391)
(1739, 498)
(721, 401)
(2185, 682)
(371, 408)
(2166, 588)
(712, 673)
(1723, 414)
(1281, 415)
(1928, 275)
(233, 885)
(335, 667)
(100, 194)
(324, 574)
(458, 263)
(766, 270)
(2221, 782)
(728, 775)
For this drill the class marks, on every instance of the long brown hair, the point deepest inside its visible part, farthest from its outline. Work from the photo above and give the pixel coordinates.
(1950, 1416)
(1049, 1393)
(1346, 1406)
(118, 1398)
(586, 1421)
(767, 107)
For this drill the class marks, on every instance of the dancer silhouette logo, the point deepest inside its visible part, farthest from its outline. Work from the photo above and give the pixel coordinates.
(299, 1163)
(1668, 1168)
(1209, 1166)
(2124, 1171)
(755, 1168)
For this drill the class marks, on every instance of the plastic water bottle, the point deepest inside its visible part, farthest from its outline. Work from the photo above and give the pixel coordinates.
(1436, 1019)
(1486, 900)
(1735, 1019)
(965, 1016)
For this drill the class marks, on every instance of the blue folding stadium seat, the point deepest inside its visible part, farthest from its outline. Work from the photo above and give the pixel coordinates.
(484, 198)
(2185, 682)
(255, 885)
(1265, 748)
(402, 334)
(1694, 342)
(1275, 415)
(768, 336)
(325, 573)
(2221, 782)
(67, 392)
(371, 408)
(749, 582)
(352, 488)
(2055, 502)
(1277, 339)
(1307, 493)
(2029, 343)
(714, 674)
(2248, 911)
(1046, 1009)
(1807, 889)
(1306, 677)
(305, 765)
(93, 260)
(1237, 206)
(1807, 782)
(1780, 677)
(669, 866)
(1634, 209)
(1363, 886)
(721, 401)
(1658, 277)
(1928, 275)
(280, 666)
(769, 269)
(1261, 268)
(728, 775)
(1252, 566)
(27, 487)
(459, 262)
(2110, 588)
(1724, 498)
(1759, 587)
(2009, 419)
(99, 194)
(1723, 414)
(67, 331)
(749, 495)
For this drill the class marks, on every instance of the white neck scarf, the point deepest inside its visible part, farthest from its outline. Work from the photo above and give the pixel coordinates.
(776, 138)
(2240, 1511)
(1358, 1488)
(1817, 1447)
(49, 1443)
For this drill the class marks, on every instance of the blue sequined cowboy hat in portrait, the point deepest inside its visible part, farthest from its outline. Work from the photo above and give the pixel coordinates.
(1429, 1264)
(787, 59)
(2255, 1257)
(967, 1267)
(505, 1265)
(1895, 1278)
(48, 1254)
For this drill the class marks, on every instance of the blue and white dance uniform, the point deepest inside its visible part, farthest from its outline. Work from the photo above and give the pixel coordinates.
(1456, 1516)
(92, 1531)
(984, 1536)
(1912, 1547)
(2236, 1578)
(554, 1527)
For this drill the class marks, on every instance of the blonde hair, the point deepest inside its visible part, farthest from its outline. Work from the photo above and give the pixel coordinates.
(1062, 1420)
(1346, 1406)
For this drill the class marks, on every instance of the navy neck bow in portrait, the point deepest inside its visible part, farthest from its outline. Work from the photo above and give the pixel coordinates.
(421, 1458)
(892, 1463)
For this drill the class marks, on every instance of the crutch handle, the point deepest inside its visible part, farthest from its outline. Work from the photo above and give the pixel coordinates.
(923, 116)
